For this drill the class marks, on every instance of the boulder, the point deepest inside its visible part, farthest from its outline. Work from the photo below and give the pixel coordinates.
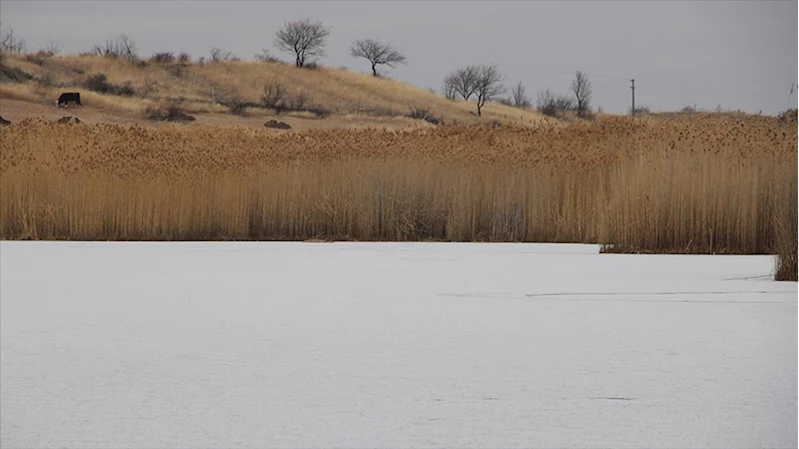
(277, 125)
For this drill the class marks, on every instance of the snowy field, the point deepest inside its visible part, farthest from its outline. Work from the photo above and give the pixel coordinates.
(377, 345)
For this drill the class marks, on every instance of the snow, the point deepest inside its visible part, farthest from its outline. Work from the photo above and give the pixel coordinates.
(211, 345)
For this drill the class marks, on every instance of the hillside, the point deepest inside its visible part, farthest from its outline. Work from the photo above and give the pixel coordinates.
(230, 93)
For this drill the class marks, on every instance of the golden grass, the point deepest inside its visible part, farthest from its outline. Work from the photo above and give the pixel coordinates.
(701, 186)
(39, 94)
(199, 88)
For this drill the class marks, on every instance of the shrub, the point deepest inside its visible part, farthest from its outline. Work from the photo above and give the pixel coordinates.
(318, 111)
(46, 81)
(238, 106)
(150, 86)
(788, 116)
(218, 55)
(297, 101)
(689, 109)
(163, 58)
(265, 56)
(125, 90)
(420, 113)
(14, 74)
(39, 57)
(273, 96)
(553, 105)
(99, 83)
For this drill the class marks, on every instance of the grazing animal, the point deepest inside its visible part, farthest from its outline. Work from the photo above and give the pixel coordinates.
(65, 98)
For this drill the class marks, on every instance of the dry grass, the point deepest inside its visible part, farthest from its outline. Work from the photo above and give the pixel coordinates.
(703, 186)
(787, 236)
(204, 88)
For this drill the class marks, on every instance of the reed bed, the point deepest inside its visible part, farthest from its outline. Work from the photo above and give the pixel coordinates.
(704, 185)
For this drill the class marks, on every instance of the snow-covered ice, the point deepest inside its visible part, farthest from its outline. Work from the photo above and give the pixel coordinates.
(256, 345)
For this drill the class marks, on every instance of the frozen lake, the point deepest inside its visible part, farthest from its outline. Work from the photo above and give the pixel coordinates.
(256, 345)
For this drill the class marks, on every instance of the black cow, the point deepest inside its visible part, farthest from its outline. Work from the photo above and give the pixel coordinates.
(67, 97)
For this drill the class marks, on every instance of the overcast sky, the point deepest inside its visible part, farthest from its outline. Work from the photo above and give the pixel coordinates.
(741, 55)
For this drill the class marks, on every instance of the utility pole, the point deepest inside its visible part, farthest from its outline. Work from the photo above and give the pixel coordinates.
(632, 87)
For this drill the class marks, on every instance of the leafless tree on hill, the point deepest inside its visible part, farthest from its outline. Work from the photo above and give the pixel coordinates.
(265, 56)
(448, 89)
(463, 81)
(519, 96)
(122, 46)
(488, 85)
(51, 47)
(217, 55)
(9, 43)
(553, 105)
(303, 38)
(377, 53)
(581, 88)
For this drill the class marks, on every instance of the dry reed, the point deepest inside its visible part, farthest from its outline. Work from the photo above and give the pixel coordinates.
(704, 185)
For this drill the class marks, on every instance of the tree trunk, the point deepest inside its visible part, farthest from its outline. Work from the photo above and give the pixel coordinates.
(374, 70)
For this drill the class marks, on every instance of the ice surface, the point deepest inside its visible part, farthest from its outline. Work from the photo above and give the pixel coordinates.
(255, 345)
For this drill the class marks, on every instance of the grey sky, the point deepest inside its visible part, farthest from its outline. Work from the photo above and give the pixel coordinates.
(742, 55)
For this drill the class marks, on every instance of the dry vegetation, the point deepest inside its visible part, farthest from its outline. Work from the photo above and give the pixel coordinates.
(222, 87)
(704, 185)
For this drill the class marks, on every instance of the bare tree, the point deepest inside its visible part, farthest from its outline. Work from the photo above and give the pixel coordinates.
(552, 105)
(487, 85)
(581, 88)
(545, 103)
(377, 53)
(519, 96)
(51, 47)
(122, 46)
(448, 89)
(564, 102)
(463, 81)
(303, 38)
(9, 43)
(217, 55)
(265, 56)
